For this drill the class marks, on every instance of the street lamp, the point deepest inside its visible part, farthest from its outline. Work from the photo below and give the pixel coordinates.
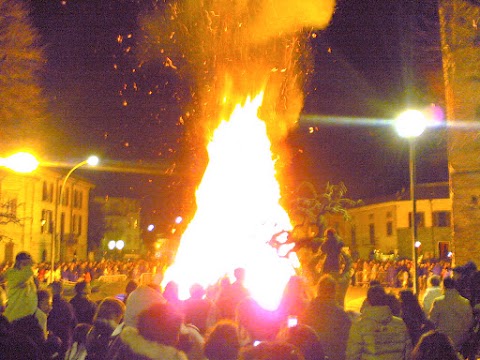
(92, 161)
(411, 124)
(21, 162)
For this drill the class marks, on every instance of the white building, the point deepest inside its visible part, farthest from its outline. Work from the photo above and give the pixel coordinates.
(384, 225)
(30, 215)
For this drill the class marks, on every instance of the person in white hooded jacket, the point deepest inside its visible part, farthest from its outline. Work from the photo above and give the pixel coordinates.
(155, 337)
(377, 334)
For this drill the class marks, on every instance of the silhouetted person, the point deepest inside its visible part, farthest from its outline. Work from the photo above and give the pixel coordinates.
(61, 320)
(83, 306)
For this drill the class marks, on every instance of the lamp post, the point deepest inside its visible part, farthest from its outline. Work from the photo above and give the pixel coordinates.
(411, 124)
(92, 161)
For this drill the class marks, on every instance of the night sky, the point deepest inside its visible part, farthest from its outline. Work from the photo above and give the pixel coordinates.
(106, 101)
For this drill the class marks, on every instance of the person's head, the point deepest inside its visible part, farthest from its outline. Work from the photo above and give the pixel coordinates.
(376, 296)
(44, 298)
(170, 293)
(271, 350)
(56, 287)
(222, 341)
(407, 296)
(327, 287)
(82, 288)
(110, 309)
(239, 274)
(160, 323)
(131, 285)
(435, 280)
(409, 301)
(23, 259)
(141, 299)
(449, 283)
(305, 338)
(329, 232)
(197, 291)
(434, 345)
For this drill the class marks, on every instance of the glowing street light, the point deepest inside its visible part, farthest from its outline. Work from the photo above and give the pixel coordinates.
(91, 161)
(116, 244)
(411, 124)
(21, 162)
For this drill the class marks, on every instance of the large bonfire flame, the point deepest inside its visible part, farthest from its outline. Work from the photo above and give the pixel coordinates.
(238, 211)
(238, 208)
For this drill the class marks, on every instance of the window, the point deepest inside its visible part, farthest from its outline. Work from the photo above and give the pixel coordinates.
(371, 232)
(77, 199)
(441, 218)
(389, 228)
(353, 234)
(76, 224)
(11, 208)
(47, 192)
(420, 219)
(46, 223)
(79, 227)
(65, 195)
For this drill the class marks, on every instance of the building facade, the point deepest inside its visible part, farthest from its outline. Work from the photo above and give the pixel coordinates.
(383, 226)
(32, 218)
(122, 223)
(460, 36)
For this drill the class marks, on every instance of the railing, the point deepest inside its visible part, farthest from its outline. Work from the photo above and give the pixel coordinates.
(112, 278)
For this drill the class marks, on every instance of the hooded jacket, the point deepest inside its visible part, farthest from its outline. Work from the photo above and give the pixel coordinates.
(378, 335)
(140, 299)
(21, 293)
(135, 347)
(452, 314)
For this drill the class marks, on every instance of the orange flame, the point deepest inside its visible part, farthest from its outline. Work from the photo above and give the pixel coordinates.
(238, 211)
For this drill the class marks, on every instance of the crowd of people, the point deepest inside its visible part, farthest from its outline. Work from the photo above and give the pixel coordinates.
(224, 322)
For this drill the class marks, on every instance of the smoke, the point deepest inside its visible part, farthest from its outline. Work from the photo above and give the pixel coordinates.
(221, 51)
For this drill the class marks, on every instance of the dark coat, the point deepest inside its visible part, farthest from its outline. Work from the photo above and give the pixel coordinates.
(84, 308)
(15, 345)
(61, 321)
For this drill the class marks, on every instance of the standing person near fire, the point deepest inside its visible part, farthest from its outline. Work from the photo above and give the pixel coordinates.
(452, 314)
(231, 295)
(328, 319)
(21, 288)
(377, 334)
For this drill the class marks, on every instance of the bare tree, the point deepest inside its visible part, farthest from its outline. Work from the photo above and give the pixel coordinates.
(22, 106)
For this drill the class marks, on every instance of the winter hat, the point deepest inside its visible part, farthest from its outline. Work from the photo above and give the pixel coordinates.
(139, 300)
(23, 255)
